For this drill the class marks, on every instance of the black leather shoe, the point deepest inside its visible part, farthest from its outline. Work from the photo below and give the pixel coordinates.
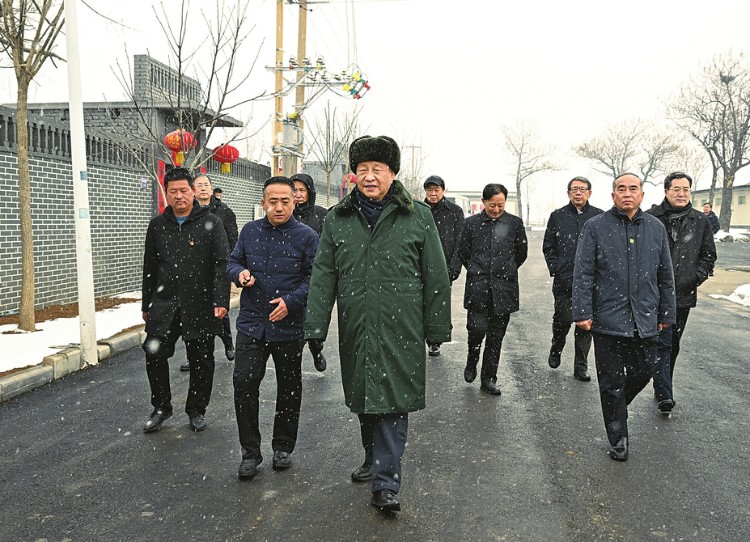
(666, 406)
(470, 373)
(363, 473)
(554, 360)
(153, 424)
(434, 350)
(249, 467)
(488, 386)
(185, 367)
(229, 353)
(385, 499)
(319, 360)
(197, 422)
(281, 460)
(583, 377)
(619, 452)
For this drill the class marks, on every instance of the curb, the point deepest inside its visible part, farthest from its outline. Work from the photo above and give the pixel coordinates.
(65, 362)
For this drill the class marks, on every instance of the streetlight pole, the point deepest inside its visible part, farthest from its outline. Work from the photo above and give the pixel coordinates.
(86, 305)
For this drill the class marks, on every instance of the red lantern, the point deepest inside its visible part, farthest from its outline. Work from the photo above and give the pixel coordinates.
(226, 154)
(179, 142)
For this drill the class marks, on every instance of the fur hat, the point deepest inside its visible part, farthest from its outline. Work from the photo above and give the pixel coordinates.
(375, 149)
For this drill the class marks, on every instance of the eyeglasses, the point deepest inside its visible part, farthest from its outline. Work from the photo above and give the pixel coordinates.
(578, 190)
(679, 190)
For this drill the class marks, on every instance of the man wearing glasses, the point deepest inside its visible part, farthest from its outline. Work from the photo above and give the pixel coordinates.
(691, 244)
(492, 247)
(559, 248)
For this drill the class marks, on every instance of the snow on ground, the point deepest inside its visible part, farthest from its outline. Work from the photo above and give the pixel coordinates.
(740, 295)
(736, 233)
(29, 348)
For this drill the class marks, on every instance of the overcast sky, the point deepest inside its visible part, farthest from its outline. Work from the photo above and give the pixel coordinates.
(447, 76)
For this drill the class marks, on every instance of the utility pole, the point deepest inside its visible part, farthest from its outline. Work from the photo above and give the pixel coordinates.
(278, 126)
(84, 266)
(300, 91)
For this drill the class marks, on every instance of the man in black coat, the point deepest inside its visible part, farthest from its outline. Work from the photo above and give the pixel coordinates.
(559, 247)
(713, 220)
(313, 216)
(623, 291)
(449, 219)
(206, 197)
(493, 246)
(691, 244)
(185, 292)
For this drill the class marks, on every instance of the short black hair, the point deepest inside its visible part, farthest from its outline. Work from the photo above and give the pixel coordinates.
(621, 175)
(178, 174)
(674, 176)
(493, 189)
(278, 180)
(580, 180)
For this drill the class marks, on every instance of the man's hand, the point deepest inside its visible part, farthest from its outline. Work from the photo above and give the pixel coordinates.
(585, 324)
(246, 279)
(144, 315)
(280, 312)
(220, 312)
(663, 326)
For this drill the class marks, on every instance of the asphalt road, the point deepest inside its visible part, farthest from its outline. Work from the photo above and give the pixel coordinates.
(530, 465)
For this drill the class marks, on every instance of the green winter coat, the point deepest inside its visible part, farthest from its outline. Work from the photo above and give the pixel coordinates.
(392, 291)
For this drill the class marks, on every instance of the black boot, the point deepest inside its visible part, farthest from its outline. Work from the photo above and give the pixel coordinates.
(472, 360)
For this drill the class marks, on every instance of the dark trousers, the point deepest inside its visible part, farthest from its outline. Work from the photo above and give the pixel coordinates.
(226, 332)
(667, 349)
(481, 324)
(200, 355)
(561, 322)
(623, 368)
(249, 370)
(384, 441)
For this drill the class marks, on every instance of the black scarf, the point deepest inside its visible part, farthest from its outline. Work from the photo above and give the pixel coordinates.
(673, 217)
(372, 208)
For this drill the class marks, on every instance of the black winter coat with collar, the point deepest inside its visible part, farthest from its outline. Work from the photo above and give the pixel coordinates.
(449, 219)
(228, 220)
(184, 267)
(492, 251)
(691, 244)
(623, 275)
(561, 241)
(308, 213)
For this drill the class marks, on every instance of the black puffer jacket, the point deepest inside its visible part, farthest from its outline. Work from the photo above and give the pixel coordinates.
(691, 244)
(623, 275)
(308, 213)
(492, 251)
(561, 241)
(228, 219)
(449, 219)
(184, 266)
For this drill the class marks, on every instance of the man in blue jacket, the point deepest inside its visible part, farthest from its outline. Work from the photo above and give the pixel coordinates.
(559, 247)
(272, 263)
(623, 291)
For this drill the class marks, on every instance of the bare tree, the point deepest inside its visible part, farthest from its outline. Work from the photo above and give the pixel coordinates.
(28, 32)
(633, 145)
(210, 70)
(330, 141)
(714, 108)
(529, 156)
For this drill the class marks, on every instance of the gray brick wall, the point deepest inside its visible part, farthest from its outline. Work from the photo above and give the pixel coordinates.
(120, 201)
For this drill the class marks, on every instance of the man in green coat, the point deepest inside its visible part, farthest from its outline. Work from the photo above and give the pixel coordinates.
(380, 260)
